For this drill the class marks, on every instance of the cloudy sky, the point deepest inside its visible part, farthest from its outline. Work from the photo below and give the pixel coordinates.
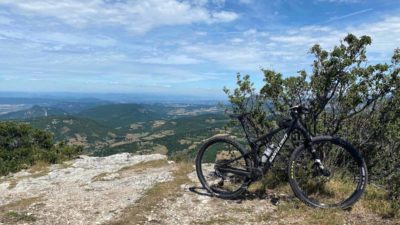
(176, 46)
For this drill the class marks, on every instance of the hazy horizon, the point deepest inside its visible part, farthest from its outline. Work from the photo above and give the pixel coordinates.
(113, 97)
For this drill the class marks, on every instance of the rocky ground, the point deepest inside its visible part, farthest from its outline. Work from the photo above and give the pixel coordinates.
(89, 190)
(127, 189)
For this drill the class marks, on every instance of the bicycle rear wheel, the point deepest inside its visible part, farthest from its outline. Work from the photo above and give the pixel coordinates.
(339, 185)
(214, 159)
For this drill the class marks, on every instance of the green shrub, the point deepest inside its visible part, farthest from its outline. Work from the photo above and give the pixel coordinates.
(394, 190)
(347, 96)
(22, 146)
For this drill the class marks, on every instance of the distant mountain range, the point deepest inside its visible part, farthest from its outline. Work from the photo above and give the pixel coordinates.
(34, 112)
(104, 128)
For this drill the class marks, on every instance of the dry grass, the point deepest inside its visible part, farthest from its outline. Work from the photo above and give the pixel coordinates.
(15, 212)
(39, 169)
(17, 217)
(137, 168)
(12, 184)
(142, 166)
(375, 201)
(100, 177)
(294, 211)
(137, 213)
(66, 164)
(372, 208)
(217, 220)
(20, 204)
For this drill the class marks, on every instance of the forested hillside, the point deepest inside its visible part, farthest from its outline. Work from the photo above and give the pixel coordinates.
(112, 128)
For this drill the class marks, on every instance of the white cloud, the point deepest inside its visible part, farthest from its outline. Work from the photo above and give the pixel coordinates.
(235, 57)
(170, 60)
(385, 35)
(166, 58)
(135, 16)
(224, 16)
(58, 38)
(287, 51)
(335, 18)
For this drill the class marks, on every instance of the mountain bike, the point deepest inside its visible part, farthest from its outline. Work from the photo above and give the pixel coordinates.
(323, 171)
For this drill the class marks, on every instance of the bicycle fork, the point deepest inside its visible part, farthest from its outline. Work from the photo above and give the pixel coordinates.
(320, 168)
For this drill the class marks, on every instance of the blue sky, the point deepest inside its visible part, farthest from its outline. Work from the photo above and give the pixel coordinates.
(176, 47)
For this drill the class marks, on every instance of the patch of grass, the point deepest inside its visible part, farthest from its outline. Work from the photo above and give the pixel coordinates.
(15, 217)
(12, 184)
(170, 189)
(66, 164)
(40, 168)
(375, 200)
(100, 177)
(11, 213)
(372, 208)
(216, 220)
(142, 166)
(20, 204)
(298, 213)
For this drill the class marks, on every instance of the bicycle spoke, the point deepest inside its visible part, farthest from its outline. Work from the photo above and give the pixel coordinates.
(335, 183)
(223, 168)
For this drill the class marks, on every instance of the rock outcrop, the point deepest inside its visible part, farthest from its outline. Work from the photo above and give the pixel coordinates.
(88, 190)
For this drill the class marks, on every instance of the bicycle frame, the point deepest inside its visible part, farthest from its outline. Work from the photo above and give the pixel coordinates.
(291, 126)
(258, 168)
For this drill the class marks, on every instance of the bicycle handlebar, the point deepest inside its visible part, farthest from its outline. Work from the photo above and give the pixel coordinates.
(299, 109)
(239, 116)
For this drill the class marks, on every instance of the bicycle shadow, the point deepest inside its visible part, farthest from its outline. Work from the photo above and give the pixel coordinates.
(196, 190)
(273, 197)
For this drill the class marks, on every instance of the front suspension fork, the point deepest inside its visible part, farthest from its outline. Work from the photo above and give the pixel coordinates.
(321, 169)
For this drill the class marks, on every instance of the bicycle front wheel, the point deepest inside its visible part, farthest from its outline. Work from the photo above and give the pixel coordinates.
(339, 184)
(221, 166)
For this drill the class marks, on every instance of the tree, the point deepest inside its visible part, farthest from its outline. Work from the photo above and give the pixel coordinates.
(347, 97)
(22, 146)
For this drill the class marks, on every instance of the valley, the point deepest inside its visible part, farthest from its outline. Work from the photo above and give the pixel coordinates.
(105, 128)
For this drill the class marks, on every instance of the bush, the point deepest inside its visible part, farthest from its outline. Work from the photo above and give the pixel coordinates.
(347, 98)
(22, 146)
